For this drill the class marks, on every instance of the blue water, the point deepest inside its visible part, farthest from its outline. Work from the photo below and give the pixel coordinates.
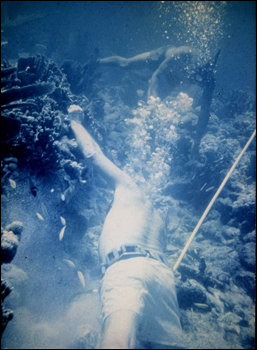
(152, 140)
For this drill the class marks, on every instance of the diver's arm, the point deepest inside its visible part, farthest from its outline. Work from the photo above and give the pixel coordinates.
(171, 55)
(154, 81)
(92, 151)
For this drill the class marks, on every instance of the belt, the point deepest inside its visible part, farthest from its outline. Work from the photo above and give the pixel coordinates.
(130, 251)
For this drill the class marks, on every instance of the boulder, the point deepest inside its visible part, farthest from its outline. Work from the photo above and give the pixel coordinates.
(247, 256)
(246, 280)
(189, 293)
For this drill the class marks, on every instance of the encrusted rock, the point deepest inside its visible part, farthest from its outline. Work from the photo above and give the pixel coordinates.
(16, 227)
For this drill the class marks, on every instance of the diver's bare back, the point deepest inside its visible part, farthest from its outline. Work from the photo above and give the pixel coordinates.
(131, 220)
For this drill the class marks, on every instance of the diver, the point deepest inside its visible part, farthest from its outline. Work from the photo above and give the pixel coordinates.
(179, 65)
(139, 301)
(175, 63)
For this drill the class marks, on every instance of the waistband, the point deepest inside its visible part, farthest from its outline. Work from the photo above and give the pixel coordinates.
(130, 251)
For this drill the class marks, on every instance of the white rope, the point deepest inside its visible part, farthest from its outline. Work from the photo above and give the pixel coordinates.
(211, 202)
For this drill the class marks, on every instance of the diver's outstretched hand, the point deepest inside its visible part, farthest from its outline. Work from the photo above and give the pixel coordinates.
(76, 114)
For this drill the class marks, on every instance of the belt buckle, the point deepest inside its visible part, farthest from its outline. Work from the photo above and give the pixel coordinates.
(129, 248)
(112, 257)
(132, 248)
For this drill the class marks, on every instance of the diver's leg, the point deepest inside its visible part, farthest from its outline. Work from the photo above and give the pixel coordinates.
(92, 151)
(113, 61)
(137, 61)
(120, 330)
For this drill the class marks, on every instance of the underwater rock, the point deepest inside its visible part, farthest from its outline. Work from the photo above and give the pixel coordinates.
(230, 322)
(246, 280)
(211, 230)
(191, 292)
(246, 228)
(86, 338)
(230, 318)
(221, 259)
(250, 237)
(179, 191)
(230, 232)
(10, 128)
(225, 207)
(247, 256)
(244, 211)
(188, 272)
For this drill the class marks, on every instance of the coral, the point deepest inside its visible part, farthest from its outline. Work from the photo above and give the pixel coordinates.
(6, 316)
(33, 123)
(7, 71)
(235, 102)
(10, 238)
(20, 93)
(9, 246)
(16, 227)
(5, 289)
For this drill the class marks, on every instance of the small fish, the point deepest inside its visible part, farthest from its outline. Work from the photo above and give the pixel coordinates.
(44, 210)
(33, 188)
(62, 233)
(12, 183)
(52, 190)
(40, 217)
(201, 306)
(63, 197)
(209, 189)
(81, 278)
(237, 328)
(95, 290)
(43, 46)
(63, 220)
(69, 262)
(203, 186)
